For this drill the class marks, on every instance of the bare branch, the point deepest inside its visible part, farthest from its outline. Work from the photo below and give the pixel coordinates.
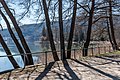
(1, 27)
(82, 6)
(99, 19)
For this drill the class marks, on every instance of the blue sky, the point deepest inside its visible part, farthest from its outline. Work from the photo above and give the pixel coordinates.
(28, 19)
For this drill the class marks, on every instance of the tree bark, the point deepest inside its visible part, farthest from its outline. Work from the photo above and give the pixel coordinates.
(19, 32)
(19, 47)
(86, 44)
(109, 31)
(109, 34)
(111, 26)
(62, 44)
(5, 47)
(50, 35)
(71, 30)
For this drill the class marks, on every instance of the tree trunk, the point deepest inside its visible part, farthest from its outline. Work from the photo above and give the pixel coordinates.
(109, 32)
(50, 35)
(86, 44)
(71, 30)
(62, 44)
(5, 47)
(18, 30)
(111, 26)
(14, 39)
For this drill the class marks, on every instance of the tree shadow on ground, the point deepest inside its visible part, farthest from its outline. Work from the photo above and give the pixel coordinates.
(31, 73)
(106, 58)
(72, 76)
(46, 70)
(70, 71)
(60, 74)
(97, 70)
(60, 77)
(3, 72)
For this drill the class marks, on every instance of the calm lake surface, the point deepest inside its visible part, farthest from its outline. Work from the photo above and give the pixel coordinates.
(5, 64)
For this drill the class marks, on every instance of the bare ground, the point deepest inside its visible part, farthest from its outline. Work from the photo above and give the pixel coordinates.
(91, 68)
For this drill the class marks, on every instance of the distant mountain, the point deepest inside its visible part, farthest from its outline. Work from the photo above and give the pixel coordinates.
(30, 31)
(33, 32)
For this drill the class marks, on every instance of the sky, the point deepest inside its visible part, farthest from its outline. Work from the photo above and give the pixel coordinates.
(28, 19)
(34, 12)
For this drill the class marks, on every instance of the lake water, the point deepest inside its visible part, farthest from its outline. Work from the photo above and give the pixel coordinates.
(5, 64)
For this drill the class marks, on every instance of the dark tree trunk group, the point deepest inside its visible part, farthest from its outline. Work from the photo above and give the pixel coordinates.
(115, 46)
(19, 47)
(90, 21)
(62, 44)
(18, 30)
(69, 47)
(48, 25)
(10, 57)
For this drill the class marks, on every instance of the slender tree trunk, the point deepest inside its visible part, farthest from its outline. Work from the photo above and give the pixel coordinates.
(18, 30)
(109, 32)
(48, 25)
(71, 30)
(5, 47)
(14, 38)
(86, 44)
(111, 26)
(62, 44)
